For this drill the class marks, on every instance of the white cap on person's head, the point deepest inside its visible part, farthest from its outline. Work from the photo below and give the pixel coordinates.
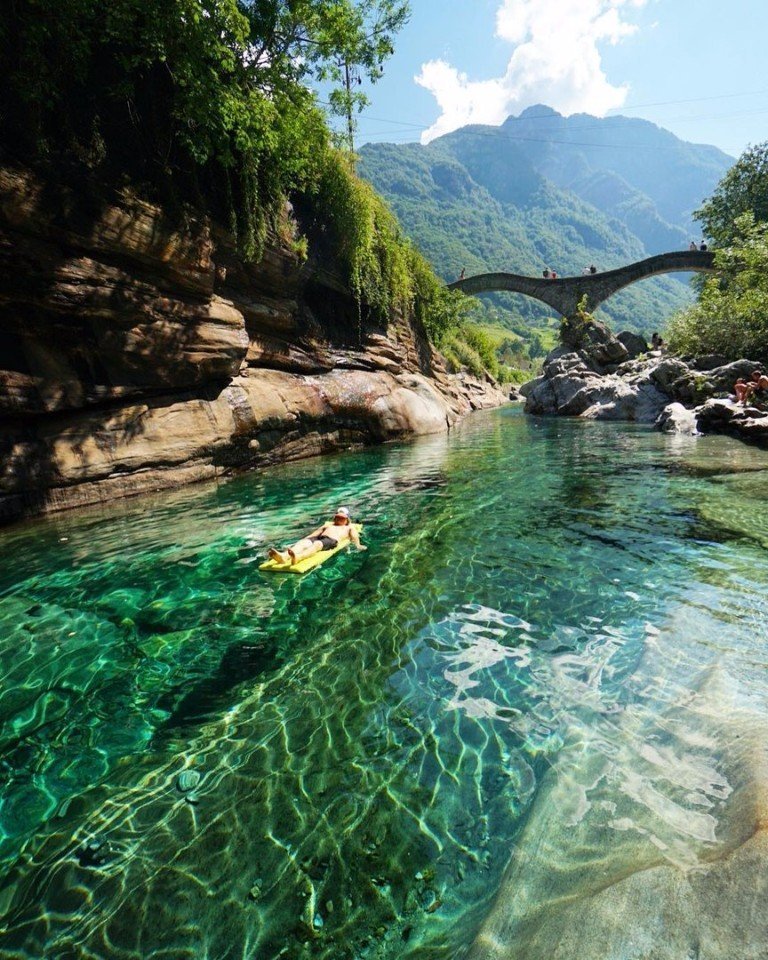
(342, 512)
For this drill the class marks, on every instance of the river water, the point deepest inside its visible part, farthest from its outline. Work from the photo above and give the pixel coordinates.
(200, 760)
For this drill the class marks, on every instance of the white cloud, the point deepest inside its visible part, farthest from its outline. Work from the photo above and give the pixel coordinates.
(556, 60)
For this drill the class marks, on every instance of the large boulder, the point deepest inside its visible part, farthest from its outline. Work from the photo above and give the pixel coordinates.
(727, 416)
(623, 401)
(667, 372)
(708, 362)
(527, 388)
(675, 418)
(633, 342)
(599, 348)
(570, 386)
(723, 378)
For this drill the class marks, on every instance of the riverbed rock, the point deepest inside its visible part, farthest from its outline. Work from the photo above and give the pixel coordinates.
(140, 352)
(678, 396)
(675, 418)
(633, 342)
(657, 855)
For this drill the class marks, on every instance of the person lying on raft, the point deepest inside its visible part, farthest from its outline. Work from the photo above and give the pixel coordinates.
(327, 537)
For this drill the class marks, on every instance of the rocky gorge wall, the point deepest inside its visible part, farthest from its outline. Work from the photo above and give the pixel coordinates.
(138, 352)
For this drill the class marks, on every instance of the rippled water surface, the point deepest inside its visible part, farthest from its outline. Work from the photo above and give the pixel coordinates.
(362, 747)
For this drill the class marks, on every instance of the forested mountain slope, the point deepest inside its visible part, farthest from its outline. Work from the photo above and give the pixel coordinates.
(544, 190)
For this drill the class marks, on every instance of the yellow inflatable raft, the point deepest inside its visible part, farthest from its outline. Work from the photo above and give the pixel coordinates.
(309, 563)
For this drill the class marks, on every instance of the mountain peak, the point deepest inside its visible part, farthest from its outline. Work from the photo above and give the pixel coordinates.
(535, 112)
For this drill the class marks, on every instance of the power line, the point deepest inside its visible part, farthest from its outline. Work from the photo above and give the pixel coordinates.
(557, 116)
(723, 116)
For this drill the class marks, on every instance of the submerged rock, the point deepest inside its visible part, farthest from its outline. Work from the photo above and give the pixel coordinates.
(187, 781)
(655, 851)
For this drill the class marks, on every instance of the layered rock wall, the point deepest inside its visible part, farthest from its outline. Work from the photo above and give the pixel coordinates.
(139, 352)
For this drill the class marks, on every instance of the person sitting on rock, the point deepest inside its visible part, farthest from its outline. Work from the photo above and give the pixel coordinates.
(741, 388)
(545, 273)
(755, 390)
(656, 341)
(592, 268)
(326, 537)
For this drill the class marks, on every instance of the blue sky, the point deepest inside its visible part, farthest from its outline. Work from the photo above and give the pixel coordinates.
(695, 67)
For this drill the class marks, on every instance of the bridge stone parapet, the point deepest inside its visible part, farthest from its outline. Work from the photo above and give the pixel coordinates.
(565, 293)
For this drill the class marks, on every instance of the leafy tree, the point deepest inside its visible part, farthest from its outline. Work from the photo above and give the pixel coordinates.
(208, 101)
(731, 317)
(357, 53)
(203, 99)
(744, 189)
(536, 348)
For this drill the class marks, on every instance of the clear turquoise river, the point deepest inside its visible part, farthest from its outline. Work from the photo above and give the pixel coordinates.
(200, 760)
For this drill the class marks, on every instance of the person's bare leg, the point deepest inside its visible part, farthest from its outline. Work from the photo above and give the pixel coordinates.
(279, 556)
(304, 548)
(299, 551)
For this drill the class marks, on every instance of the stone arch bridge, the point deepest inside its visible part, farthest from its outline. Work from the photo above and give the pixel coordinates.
(564, 293)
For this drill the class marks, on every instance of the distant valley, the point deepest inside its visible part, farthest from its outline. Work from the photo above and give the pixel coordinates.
(543, 190)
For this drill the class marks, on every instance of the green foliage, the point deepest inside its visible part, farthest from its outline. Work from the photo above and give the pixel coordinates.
(366, 237)
(386, 272)
(536, 346)
(202, 100)
(473, 348)
(743, 189)
(439, 310)
(514, 375)
(462, 356)
(482, 345)
(208, 101)
(731, 317)
(573, 329)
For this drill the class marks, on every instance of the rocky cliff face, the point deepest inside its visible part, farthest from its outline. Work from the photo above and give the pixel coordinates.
(138, 353)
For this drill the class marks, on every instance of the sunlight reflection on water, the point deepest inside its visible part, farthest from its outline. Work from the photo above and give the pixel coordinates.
(533, 619)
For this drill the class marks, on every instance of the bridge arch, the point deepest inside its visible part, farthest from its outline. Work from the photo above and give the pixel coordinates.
(564, 293)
